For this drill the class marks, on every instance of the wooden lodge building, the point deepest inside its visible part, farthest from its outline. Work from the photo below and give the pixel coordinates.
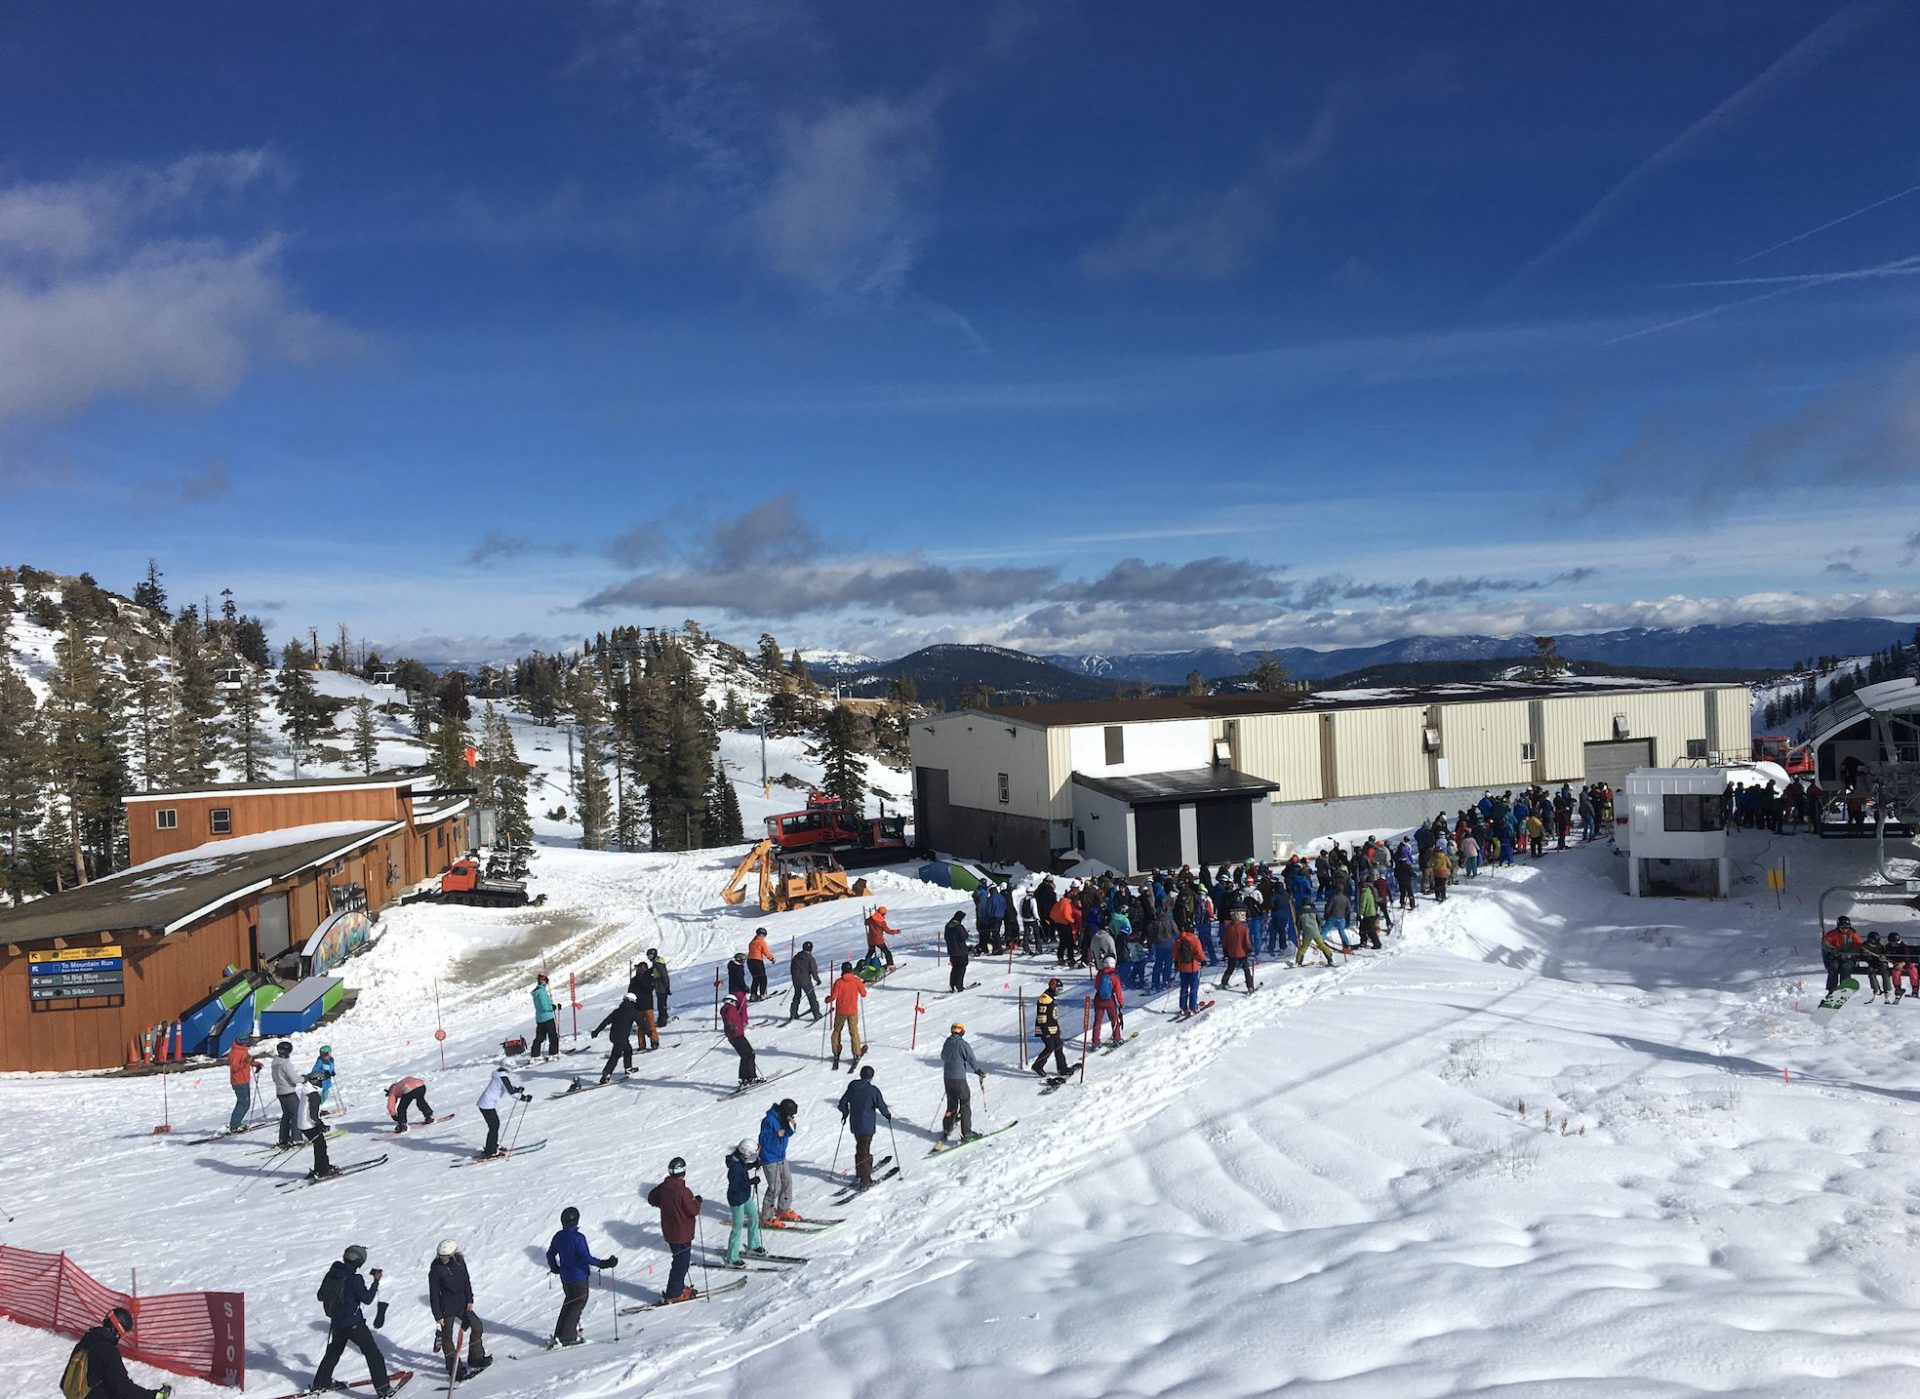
(222, 878)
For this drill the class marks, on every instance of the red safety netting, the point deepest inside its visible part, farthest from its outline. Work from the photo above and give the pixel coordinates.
(202, 1334)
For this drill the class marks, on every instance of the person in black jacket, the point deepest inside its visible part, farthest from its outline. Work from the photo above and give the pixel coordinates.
(662, 985)
(106, 1371)
(640, 987)
(861, 1107)
(737, 976)
(956, 935)
(1046, 1029)
(803, 973)
(344, 1293)
(450, 1295)
(619, 1023)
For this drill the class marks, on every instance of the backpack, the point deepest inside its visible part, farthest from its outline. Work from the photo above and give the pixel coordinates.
(74, 1380)
(329, 1293)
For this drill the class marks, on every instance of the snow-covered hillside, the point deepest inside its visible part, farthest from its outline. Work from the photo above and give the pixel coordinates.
(1546, 1143)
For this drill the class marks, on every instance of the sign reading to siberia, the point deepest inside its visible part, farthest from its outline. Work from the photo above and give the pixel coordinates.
(75, 973)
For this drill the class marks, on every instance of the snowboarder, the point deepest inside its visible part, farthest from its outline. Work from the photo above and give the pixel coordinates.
(1839, 945)
(240, 1070)
(286, 1087)
(776, 1129)
(956, 1062)
(734, 1017)
(343, 1293)
(324, 1068)
(1236, 941)
(499, 1086)
(679, 1210)
(546, 1018)
(847, 991)
(741, 1182)
(1109, 999)
(1046, 1029)
(619, 1025)
(408, 1092)
(94, 1367)
(450, 1295)
(878, 931)
(956, 935)
(569, 1257)
(662, 985)
(860, 1108)
(759, 958)
(310, 1125)
(803, 974)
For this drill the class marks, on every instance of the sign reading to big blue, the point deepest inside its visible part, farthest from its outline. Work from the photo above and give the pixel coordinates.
(75, 973)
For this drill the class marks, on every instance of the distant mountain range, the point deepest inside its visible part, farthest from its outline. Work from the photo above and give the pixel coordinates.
(940, 673)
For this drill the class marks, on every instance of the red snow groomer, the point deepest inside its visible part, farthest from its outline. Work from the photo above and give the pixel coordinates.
(827, 826)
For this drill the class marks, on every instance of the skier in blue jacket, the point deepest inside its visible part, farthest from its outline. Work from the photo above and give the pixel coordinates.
(776, 1209)
(546, 1019)
(861, 1107)
(569, 1257)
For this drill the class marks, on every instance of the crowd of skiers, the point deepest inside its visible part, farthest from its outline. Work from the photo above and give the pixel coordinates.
(1764, 807)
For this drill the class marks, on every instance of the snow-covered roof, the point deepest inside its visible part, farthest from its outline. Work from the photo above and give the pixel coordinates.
(169, 893)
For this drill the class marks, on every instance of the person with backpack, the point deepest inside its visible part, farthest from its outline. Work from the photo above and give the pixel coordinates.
(569, 1258)
(1046, 1029)
(286, 1088)
(342, 1294)
(956, 1062)
(94, 1367)
(741, 1182)
(619, 1024)
(735, 1015)
(1109, 999)
(958, 951)
(803, 974)
(776, 1130)
(499, 1088)
(404, 1094)
(546, 1018)
(662, 985)
(450, 1297)
(861, 1108)
(848, 989)
(679, 1216)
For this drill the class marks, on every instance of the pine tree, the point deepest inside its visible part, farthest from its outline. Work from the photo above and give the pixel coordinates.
(772, 660)
(1195, 685)
(247, 737)
(504, 784)
(723, 825)
(297, 703)
(193, 749)
(447, 753)
(1269, 676)
(87, 771)
(149, 715)
(366, 735)
(149, 594)
(591, 795)
(843, 772)
(23, 763)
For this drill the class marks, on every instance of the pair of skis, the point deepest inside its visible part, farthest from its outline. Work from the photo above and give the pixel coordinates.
(854, 1192)
(1189, 1014)
(943, 1148)
(418, 1126)
(396, 1379)
(505, 1154)
(580, 1085)
(734, 1286)
(339, 1172)
(752, 1084)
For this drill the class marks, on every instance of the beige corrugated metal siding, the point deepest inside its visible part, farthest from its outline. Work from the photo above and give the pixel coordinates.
(975, 750)
(1735, 710)
(1669, 718)
(1282, 748)
(1482, 743)
(1378, 750)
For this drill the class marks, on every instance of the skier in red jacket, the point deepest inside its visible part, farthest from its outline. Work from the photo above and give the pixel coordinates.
(1109, 999)
(679, 1215)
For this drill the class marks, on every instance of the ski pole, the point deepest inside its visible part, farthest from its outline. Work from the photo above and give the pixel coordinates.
(453, 1356)
(899, 1161)
(835, 1167)
(616, 1316)
(519, 1122)
(700, 1233)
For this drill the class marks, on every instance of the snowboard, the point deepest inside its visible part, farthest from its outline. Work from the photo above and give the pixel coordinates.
(1055, 1083)
(733, 1286)
(1109, 1048)
(580, 1085)
(505, 1155)
(1835, 999)
(947, 1149)
(353, 1170)
(397, 1378)
(418, 1126)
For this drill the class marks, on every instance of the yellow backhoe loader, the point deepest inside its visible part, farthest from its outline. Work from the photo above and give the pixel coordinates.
(791, 880)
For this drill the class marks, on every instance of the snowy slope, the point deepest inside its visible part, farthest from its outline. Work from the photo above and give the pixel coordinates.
(1356, 1182)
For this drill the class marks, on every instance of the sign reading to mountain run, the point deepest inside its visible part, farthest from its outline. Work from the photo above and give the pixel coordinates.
(75, 973)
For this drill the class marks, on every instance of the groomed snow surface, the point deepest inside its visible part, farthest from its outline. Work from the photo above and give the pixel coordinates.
(1331, 1187)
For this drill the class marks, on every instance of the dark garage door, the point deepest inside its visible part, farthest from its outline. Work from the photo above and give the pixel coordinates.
(1611, 762)
(1156, 836)
(932, 814)
(1225, 829)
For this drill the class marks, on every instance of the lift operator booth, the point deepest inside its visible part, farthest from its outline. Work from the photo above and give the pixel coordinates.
(1673, 822)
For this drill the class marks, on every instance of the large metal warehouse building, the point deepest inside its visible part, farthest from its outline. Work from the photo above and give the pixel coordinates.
(1155, 783)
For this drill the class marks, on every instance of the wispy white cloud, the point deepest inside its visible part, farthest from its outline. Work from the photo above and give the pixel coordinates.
(1830, 223)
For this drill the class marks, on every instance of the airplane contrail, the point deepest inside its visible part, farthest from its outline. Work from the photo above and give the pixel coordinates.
(1830, 223)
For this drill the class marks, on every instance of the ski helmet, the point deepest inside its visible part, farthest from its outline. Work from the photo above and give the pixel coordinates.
(807, 946)
(745, 1150)
(789, 1108)
(958, 1028)
(284, 1047)
(315, 1079)
(120, 1321)
(629, 997)
(739, 956)
(677, 1166)
(326, 1049)
(569, 1217)
(355, 1255)
(846, 967)
(1054, 983)
(447, 1249)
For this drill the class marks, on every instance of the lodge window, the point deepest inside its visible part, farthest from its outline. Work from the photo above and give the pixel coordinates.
(1692, 813)
(1696, 748)
(220, 820)
(1116, 745)
(1526, 752)
(166, 818)
(440, 839)
(1005, 790)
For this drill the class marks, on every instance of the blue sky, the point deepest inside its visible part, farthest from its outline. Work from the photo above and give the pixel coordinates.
(1068, 326)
